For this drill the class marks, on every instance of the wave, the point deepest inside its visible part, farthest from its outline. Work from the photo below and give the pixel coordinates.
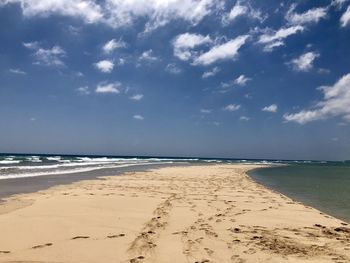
(9, 161)
(77, 170)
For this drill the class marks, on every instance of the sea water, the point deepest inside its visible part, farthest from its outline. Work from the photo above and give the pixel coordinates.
(323, 185)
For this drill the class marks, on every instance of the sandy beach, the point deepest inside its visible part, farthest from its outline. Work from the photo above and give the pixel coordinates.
(207, 213)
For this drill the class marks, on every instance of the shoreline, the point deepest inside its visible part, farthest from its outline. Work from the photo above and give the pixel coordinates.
(26, 185)
(206, 213)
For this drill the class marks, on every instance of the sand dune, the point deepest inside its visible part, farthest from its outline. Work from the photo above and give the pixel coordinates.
(212, 213)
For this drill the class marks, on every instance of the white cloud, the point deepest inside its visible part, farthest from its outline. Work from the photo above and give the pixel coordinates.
(305, 61)
(228, 50)
(244, 118)
(108, 88)
(87, 10)
(239, 81)
(232, 107)
(338, 3)
(210, 73)
(121, 62)
(148, 56)
(105, 66)
(138, 117)
(31, 45)
(242, 8)
(272, 39)
(237, 10)
(79, 74)
(311, 16)
(46, 57)
(137, 97)
(335, 103)
(242, 80)
(112, 45)
(84, 90)
(173, 69)
(345, 18)
(118, 13)
(159, 13)
(272, 108)
(17, 71)
(184, 43)
(73, 30)
(205, 111)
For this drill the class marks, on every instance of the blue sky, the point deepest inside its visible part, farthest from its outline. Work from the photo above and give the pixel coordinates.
(210, 78)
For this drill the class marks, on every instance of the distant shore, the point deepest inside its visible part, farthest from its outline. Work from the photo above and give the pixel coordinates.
(201, 213)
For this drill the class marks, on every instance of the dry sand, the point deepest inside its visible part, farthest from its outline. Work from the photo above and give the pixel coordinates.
(212, 213)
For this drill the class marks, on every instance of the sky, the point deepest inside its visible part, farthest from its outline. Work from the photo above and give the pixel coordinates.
(206, 78)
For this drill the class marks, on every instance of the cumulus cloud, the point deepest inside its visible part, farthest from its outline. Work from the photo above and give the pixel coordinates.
(242, 80)
(159, 13)
(46, 56)
(148, 56)
(338, 3)
(310, 16)
(272, 108)
(137, 97)
(210, 73)
(31, 45)
(272, 38)
(244, 118)
(304, 62)
(105, 66)
(205, 111)
(242, 9)
(87, 10)
(228, 50)
(239, 81)
(184, 43)
(108, 88)
(232, 107)
(118, 13)
(17, 71)
(84, 90)
(113, 44)
(335, 103)
(237, 10)
(345, 18)
(138, 117)
(173, 69)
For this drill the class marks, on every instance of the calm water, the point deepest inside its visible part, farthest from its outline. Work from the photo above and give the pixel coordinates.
(325, 186)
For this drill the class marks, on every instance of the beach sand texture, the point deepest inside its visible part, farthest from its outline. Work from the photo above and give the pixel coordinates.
(203, 213)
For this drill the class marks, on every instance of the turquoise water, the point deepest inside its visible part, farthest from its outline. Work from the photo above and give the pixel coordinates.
(325, 186)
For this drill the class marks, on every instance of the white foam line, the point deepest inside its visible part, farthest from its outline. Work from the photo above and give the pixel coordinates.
(73, 164)
(9, 161)
(12, 176)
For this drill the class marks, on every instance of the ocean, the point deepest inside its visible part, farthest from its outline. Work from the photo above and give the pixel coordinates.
(20, 166)
(323, 185)
(26, 165)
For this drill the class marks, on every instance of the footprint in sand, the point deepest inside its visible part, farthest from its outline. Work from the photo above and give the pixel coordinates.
(115, 236)
(250, 251)
(42, 246)
(137, 259)
(80, 237)
(209, 251)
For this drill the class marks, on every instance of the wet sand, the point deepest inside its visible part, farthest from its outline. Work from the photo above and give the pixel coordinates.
(212, 213)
